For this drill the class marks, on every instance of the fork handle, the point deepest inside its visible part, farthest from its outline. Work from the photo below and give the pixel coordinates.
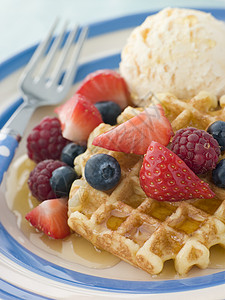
(11, 134)
(8, 145)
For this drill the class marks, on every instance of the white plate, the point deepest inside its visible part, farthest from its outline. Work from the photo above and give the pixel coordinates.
(29, 272)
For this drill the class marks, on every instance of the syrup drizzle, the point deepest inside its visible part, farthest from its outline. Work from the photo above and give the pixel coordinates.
(73, 248)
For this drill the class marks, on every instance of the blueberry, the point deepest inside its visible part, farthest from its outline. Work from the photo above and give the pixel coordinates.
(102, 172)
(71, 151)
(62, 179)
(217, 130)
(218, 174)
(109, 111)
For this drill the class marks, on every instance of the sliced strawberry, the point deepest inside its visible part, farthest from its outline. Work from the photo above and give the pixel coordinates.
(78, 118)
(135, 135)
(165, 177)
(103, 85)
(50, 217)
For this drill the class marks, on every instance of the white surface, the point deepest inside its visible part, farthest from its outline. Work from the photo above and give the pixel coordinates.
(24, 22)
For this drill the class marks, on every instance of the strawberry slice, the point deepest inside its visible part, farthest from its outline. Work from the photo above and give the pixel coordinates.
(135, 135)
(165, 177)
(50, 216)
(105, 85)
(78, 118)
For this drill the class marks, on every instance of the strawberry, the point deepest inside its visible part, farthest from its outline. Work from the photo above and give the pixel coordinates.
(165, 177)
(103, 85)
(51, 217)
(78, 118)
(135, 135)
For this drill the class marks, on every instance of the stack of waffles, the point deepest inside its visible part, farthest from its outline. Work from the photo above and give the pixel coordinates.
(140, 230)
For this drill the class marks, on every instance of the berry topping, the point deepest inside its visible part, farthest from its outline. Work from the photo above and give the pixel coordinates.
(105, 85)
(218, 174)
(135, 135)
(61, 180)
(217, 130)
(102, 172)
(78, 118)
(109, 111)
(50, 216)
(165, 177)
(70, 152)
(39, 179)
(45, 140)
(197, 148)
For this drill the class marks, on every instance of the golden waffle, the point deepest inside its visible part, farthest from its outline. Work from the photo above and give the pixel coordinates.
(199, 112)
(140, 230)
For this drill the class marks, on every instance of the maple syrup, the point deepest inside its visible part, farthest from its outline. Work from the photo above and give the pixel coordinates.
(75, 248)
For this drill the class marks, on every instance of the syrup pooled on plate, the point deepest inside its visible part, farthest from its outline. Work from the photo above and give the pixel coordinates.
(73, 248)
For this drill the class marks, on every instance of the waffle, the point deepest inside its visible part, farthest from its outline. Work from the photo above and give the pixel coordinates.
(199, 112)
(140, 230)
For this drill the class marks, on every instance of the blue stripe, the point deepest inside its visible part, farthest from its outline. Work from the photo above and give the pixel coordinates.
(108, 62)
(13, 250)
(134, 20)
(10, 292)
(20, 255)
(21, 59)
(23, 257)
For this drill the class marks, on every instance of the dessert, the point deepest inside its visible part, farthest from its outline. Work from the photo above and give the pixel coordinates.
(166, 177)
(145, 213)
(51, 179)
(199, 111)
(142, 230)
(102, 172)
(51, 217)
(197, 148)
(135, 135)
(73, 116)
(217, 130)
(178, 51)
(218, 174)
(39, 179)
(109, 111)
(48, 132)
(105, 85)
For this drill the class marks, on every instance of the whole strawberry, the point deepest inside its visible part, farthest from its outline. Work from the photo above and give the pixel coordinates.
(45, 141)
(165, 177)
(197, 148)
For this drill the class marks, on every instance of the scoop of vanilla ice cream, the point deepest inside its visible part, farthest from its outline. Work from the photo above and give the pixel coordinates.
(181, 51)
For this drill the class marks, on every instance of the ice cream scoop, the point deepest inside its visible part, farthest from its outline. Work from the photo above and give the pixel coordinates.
(181, 51)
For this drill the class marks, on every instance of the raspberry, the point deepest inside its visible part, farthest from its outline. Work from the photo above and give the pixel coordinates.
(39, 179)
(46, 141)
(197, 148)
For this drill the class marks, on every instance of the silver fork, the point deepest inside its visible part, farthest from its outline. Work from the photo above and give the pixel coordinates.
(41, 90)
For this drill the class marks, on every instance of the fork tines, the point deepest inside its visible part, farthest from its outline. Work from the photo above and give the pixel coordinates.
(53, 53)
